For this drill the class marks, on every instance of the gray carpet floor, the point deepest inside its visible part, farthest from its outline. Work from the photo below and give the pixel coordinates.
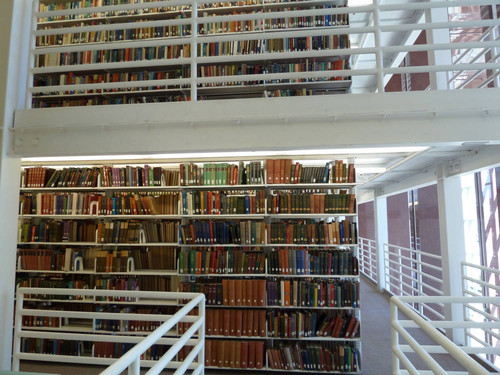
(375, 339)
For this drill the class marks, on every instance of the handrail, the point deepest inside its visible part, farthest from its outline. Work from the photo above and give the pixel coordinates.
(405, 269)
(132, 358)
(367, 253)
(401, 304)
(195, 45)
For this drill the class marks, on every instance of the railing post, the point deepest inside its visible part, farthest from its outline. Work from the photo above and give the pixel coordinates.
(452, 238)
(135, 367)
(381, 237)
(194, 50)
(394, 339)
(201, 334)
(17, 330)
(379, 59)
(438, 80)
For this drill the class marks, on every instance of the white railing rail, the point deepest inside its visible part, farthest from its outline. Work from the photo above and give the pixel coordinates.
(138, 343)
(367, 250)
(373, 46)
(441, 345)
(475, 283)
(410, 272)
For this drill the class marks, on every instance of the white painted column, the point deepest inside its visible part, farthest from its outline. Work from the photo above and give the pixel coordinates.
(13, 28)
(438, 80)
(451, 228)
(381, 237)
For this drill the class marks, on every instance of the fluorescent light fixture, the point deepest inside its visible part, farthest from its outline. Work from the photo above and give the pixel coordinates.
(357, 3)
(370, 170)
(240, 154)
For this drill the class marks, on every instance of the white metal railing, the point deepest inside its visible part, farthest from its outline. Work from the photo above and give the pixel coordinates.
(378, 36)
(79, 327)
(367, 250)
(441, 344)
(475, 282)
(411, 272)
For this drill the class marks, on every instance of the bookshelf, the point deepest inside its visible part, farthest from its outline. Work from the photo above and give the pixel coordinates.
(105, 52)
(271, 243)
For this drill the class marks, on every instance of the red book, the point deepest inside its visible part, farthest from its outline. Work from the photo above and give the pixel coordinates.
(276, 171)
(259, 354)
(231, 292)
(227, 322)
(208, 352)
(244, 322)
(209, 322)
(270, 171)
(244, 355)
(251, 354)
(250, 322)
(216, 318)
(238, 323)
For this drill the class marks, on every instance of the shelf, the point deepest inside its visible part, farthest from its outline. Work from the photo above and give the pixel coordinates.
(224, 275)
(219, 245)
(325, 339)
(65, 328)
(311, 186)
(282, 307)
(96, 244)
(310, 245)
(308, 216)
(314, 276)
(93, 217)
(226, 216)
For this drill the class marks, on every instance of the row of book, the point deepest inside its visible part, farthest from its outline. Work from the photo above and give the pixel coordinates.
(221, 174)
(291, 202)
(229, 292)
(298, 324)
(258, 46)
(109, 232)
(234, 354)
(223, 232)
(307, 262)
(307, 66)
(284, 171)
(117, 283)
(77, 4)
(52, 346)
(143, 282)
(42, 321)
(222, 203)
(221, 261)
(58, 231)
(315, 357)
(192, 203)
(83, 78)
(235, 322)
(51, 260)
(303, 293)
(106, 36)
(131, 325)
(274, 23)
(97, 259)
(340, 232)
(210, 232)
(51, 282)
(113, 55)
(35, 177)
(278, 171)
(162, 203)
(57, 101)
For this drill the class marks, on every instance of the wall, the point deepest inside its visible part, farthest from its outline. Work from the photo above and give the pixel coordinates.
(366, 223)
